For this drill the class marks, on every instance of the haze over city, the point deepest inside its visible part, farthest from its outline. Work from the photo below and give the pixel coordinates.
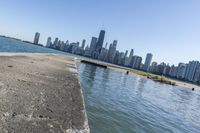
(168, 29)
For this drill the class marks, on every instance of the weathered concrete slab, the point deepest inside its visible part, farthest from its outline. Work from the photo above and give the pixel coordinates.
(40, 94)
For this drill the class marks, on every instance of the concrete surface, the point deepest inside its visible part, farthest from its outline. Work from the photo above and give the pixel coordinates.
(40, 94)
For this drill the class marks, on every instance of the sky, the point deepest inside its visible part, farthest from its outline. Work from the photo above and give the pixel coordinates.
(169, 29)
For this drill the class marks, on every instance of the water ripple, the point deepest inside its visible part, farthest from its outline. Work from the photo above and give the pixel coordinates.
(120, 103)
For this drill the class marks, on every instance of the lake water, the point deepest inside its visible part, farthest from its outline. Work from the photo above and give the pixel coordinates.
(120, 103)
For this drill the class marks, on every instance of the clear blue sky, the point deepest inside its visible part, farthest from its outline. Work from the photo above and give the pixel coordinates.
(170, 29)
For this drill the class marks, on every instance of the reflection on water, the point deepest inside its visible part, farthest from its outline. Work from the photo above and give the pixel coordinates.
(120, 103)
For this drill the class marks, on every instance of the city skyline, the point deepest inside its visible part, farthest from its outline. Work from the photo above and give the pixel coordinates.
(155, 27)
(183, 71)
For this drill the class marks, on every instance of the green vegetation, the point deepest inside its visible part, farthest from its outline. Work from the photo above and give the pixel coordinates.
(154, 77)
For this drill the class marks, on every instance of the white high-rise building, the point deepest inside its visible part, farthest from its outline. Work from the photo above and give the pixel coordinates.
(147, 62)
(190, 70)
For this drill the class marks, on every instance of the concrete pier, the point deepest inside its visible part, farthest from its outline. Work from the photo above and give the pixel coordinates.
(40, 93)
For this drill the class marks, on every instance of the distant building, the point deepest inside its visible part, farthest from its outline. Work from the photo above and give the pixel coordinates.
(116, 57)
(121, 59)
(130, 57)
(87, 51)
(83, 44)
(173, 71)
(153, 67)
(93, 46)
(55, 43)
(103, 54)
(197, 74)
(190, 70)
(37, 37)
(48, 45)
(136, 62)
(147, 62)
(99, 44)
(181, 71)
(166, 70)
(160, 68)
(112, 52)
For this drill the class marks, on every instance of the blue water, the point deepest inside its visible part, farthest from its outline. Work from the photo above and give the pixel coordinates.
(12, 45)
(119, 103)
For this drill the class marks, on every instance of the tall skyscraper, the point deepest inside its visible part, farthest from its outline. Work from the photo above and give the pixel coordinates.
(126, 53)
(130, 57)
(181, 71)
(37, 37)
(55, 43)
(112, 51)
(93, 46)
(83, 44)
(147, 62)
(48, 45)
(99, 44)
(136, 62)
(190, 70)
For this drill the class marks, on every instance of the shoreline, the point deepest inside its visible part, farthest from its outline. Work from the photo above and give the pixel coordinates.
(112, 66)
(173, 82)
(177, 82)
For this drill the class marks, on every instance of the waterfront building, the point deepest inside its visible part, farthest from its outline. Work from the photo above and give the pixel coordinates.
(147, 62)
(55, 43)
(103, 54)
(62, 46)
(153, 67)
(121, 58)
(173, 71)
(190, 70)
(48, 45)
(197, 74)
(37, 37)
(181, 71)
(130, 57)
(128, 61)
(99, 44)
(166, 70)
(87, 51)
(83, 44)
(112, 52)
(136, 62)
(93, 46)
(116, 57)
(67, 42)
(160, 68)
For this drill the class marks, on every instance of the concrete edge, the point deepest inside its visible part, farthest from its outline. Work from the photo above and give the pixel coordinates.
(86, 124)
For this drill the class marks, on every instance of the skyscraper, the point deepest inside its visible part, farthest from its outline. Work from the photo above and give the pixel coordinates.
(136, 62)
(99, 44)
(190, 70)
(93, 46)
(130, 57)
(147, 62)
(112, 51)
(48, 45)
(37, 37)
(83, 44)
